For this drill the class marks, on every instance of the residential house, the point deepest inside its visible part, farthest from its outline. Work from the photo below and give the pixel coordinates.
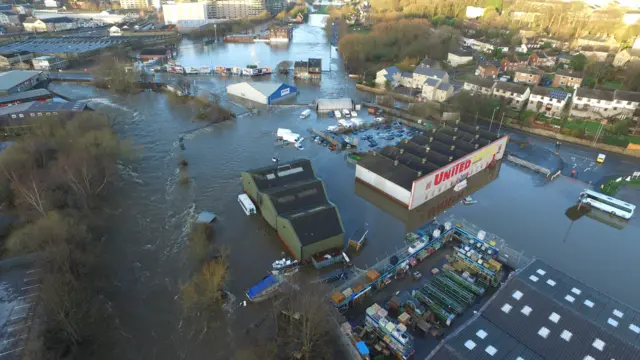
(436, 90)
(564, 58)
(154, 54)
(567, 78)
(487, 71)
(301, 70)
(527, 45)
(594, 104)
(528, 76)
(430, 63)
(483, 44)
(459, 57)
(609, 42)
(627, 101)
(511, 62)
(627, 57)
(514, 95)
(281, 33)
(9, 18)
(14, 58)
(115, 31)
(315, 67)
(49, 24)
(49, 63)
(421, 74)
(548, 101)
(598, 53)
(542, 59)
(390, 74)
(478, 85)
(554, 42)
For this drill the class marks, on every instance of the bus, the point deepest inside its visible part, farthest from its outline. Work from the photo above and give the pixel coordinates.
(607, 204)
(246, 204)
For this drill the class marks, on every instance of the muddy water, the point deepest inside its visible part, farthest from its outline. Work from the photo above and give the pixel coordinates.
(149, 215)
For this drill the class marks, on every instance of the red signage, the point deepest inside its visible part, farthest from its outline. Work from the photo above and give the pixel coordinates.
(451, 172)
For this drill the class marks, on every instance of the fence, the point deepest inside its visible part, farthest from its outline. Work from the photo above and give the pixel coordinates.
(546, 172)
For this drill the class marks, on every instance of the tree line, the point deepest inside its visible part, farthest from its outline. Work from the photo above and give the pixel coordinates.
(53, 179)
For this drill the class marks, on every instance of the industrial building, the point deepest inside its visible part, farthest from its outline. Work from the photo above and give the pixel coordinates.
(12, 82)
(25, 96)
(14, 58)
(19, 118)
(420, 168)
(294, 202)
(49, 63)
(542, 313)
(326, 105)
(263, 92)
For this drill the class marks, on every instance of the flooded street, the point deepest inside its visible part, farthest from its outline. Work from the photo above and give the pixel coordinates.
(149, 215)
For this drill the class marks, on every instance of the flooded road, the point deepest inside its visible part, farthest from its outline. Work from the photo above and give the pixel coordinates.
(149, 216)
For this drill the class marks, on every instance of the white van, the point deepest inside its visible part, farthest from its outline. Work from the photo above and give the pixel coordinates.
(305, 114)
(246, 204)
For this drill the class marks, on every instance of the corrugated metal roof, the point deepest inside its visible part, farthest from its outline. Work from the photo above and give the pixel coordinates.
(12, 78)
(315, 224)
(334, 104)
(542, 313)
(266, 88)
(25, 95)
(274, 177)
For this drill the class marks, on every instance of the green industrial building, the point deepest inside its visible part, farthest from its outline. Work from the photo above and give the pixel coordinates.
(294, 202)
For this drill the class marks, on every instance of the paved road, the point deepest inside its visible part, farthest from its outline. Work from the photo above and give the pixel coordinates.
(578, 157)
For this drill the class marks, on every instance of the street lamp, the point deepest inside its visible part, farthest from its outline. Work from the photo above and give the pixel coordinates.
(501, 123)
(492, 116)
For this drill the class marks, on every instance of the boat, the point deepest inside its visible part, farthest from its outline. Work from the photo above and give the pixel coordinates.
(346, 113)
(176, 69)
(236, 71)
(299, 146)
(305, 114)
(265, 288)
(332, 276)
(205, 70)
(327, 258)
(468, 201)
(221, 70)
(338, 114)
(192, 71)
(354, 114)
(284, 263)
(249, 72)
(331, 114)
(263, 71)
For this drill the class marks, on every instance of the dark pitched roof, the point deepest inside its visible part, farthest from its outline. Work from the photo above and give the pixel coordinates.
(304, 195)
(58, 20)
(460, 52)
(25, 95)
(430, 72)
(511, 87)
(15, 53)
(429, 63)
(282, 175)
(300, 65)
(383, 166)
(569, 73)
(8, 13)
(627, 96)
(595, 94)
(476, 80)
(148, 52)
(5, 7)
(315, 62)
(530, 71)
(542, 313)
(549, 92)
(315, 223)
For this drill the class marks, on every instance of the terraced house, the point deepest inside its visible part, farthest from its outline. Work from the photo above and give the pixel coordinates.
(514, 95)
(604, 104)
(548, 101)
(478, 85)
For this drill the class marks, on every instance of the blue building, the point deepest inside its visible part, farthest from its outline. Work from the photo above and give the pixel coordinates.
(263, 92)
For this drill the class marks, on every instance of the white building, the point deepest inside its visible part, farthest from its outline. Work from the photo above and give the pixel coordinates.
(484, 45)
(9, 17)
(474, 12)
(436, 90)
(49, 63)
(51, 4)
(134, 4)
(478, 85)
(459, 57)
(603, 104)
(548, 101)
(174, 13)
(514, 95)
(262, 92)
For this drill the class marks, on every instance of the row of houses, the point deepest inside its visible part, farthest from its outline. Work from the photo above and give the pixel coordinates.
(24, 60)
(49, 24)
(585, 103)
(311, 69)
(533, 76)
(433, 83)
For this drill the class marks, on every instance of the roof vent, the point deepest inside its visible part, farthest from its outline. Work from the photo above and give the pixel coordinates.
(427, 148)
(424, 160)
(395, 163)
(401, 151)
(454, 138)
(374, 153)
(419, 173)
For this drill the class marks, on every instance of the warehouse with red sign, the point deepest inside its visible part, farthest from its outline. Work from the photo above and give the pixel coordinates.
(418, 169)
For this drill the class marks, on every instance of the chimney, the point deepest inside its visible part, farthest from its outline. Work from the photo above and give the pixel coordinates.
(427, 148)
(450, 158)
(401, 151)
(454, 137)
(395, 163)
(419, 174)
(424, 160)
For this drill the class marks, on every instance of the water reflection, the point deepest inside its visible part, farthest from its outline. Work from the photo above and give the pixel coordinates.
(428, 211)
(576, 212)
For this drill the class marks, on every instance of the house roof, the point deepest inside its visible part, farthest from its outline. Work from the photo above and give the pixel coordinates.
(315, 62)
(55, 20)
(15, 53)
(12, 78)
(148, 52)
(488, 66)
(426, 62)
(430, 72)
(569, 73)
(265, 87)
(511, 87)
(30, 20)
(300, 64)
(4, 7)
(627, 96)
(595, 94)
(392, 70)
(444, 86)
(461, 53)
(298, 196)
(431, 82)
(549, 92)
(315, 224)
(544, 314)
(406, 74)
(530, 71)
(8, 13)
(476, 80)
(282, 175)
(24, 95)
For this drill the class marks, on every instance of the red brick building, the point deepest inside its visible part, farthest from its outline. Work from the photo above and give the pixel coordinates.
(487, 71)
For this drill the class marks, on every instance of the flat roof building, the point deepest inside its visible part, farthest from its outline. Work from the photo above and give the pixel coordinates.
(294, 202)
(542, 313)
(16, 81)
(263, 92)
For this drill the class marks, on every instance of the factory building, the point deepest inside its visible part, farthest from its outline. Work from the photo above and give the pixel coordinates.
(418, 169)
(263, 92)
(294, 202)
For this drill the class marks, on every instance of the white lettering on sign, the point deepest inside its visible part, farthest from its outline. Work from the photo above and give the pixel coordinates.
(284, 92)
(450, 175)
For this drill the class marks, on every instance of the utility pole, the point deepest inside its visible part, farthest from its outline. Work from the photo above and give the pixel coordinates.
(492, 116)
(501, 120)
(595, 141)
(215, 31)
